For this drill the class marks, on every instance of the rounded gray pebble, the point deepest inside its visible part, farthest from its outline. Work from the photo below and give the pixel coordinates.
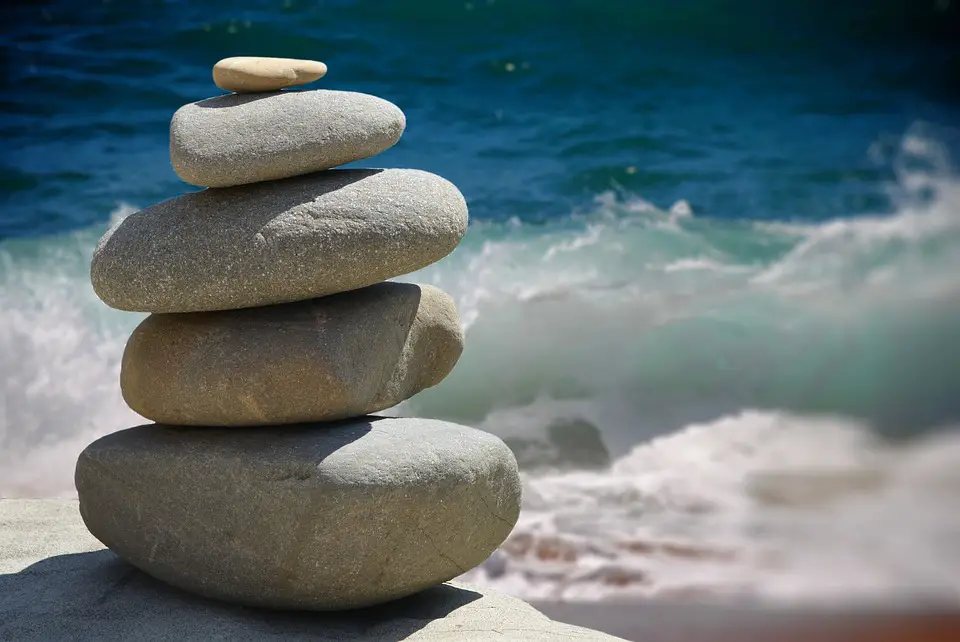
(330, 358)
(278, 242)
(313, 517)
(246, 138)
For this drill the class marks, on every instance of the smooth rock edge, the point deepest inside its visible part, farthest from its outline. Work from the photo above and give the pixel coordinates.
(58, 584)
(237, 139)
(311, 517)
(278, 242)
(244, 74)
(336, 357)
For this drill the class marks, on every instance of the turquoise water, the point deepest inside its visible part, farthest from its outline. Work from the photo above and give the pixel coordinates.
(695, 226)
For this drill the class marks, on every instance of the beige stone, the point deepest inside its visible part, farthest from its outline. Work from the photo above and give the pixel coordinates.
(340, 356)
(247, 74)
(309, 516)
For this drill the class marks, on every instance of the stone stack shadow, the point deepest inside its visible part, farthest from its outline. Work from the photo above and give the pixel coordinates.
(272, 335)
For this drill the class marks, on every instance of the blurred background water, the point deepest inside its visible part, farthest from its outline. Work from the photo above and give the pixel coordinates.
(711, 283)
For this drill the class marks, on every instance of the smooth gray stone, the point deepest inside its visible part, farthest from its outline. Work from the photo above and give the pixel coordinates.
(247, 138)
(312, 516)
(58, 584)
(339, 356)
(290, 240)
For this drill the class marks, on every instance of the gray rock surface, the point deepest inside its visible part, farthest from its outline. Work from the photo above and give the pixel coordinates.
(336, 357)
(277, 242)
(57, 583)
(312, 516)
(246, 138)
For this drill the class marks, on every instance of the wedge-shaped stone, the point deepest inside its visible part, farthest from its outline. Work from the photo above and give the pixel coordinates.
(340, 356)
(301, 517)
(245, 138)
(277, 242)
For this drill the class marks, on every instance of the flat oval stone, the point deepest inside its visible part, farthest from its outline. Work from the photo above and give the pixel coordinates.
(301, 517)
(277, 242)
(340, 356)
(252, 73)
(247, 138)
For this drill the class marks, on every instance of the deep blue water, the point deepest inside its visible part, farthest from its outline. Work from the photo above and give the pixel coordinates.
(743, 108)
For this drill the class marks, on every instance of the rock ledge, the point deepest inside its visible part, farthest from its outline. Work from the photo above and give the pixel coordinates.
(58, 583)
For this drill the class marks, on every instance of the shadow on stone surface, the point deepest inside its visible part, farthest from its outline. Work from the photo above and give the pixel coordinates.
(98, 596)
(226, 101)
(325, 437)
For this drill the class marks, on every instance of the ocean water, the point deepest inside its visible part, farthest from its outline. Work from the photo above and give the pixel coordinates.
(711, 285)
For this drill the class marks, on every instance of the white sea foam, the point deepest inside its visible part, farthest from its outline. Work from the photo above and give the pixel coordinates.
(758, 505)
(60, 354)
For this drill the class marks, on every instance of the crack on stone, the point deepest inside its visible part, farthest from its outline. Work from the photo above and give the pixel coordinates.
(483, 499)
(398, 542)
(442, 554)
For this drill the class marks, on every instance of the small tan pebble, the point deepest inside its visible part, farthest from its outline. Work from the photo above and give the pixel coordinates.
(248, 74)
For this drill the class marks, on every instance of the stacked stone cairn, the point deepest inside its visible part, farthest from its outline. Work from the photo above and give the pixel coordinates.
(273, 333)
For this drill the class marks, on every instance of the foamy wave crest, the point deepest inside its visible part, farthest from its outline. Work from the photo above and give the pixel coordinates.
(60, 352)
(751, 383)
(687, 319)
(758, 505)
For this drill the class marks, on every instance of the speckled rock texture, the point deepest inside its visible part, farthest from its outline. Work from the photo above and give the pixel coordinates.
(58, 584)
(336, 357)
(316, 517)
(277, 242)
(252, 73)
(246, 138)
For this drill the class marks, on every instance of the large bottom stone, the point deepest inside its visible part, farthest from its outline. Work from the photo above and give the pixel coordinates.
(57, 584)
(331, 358)
(318, 517)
